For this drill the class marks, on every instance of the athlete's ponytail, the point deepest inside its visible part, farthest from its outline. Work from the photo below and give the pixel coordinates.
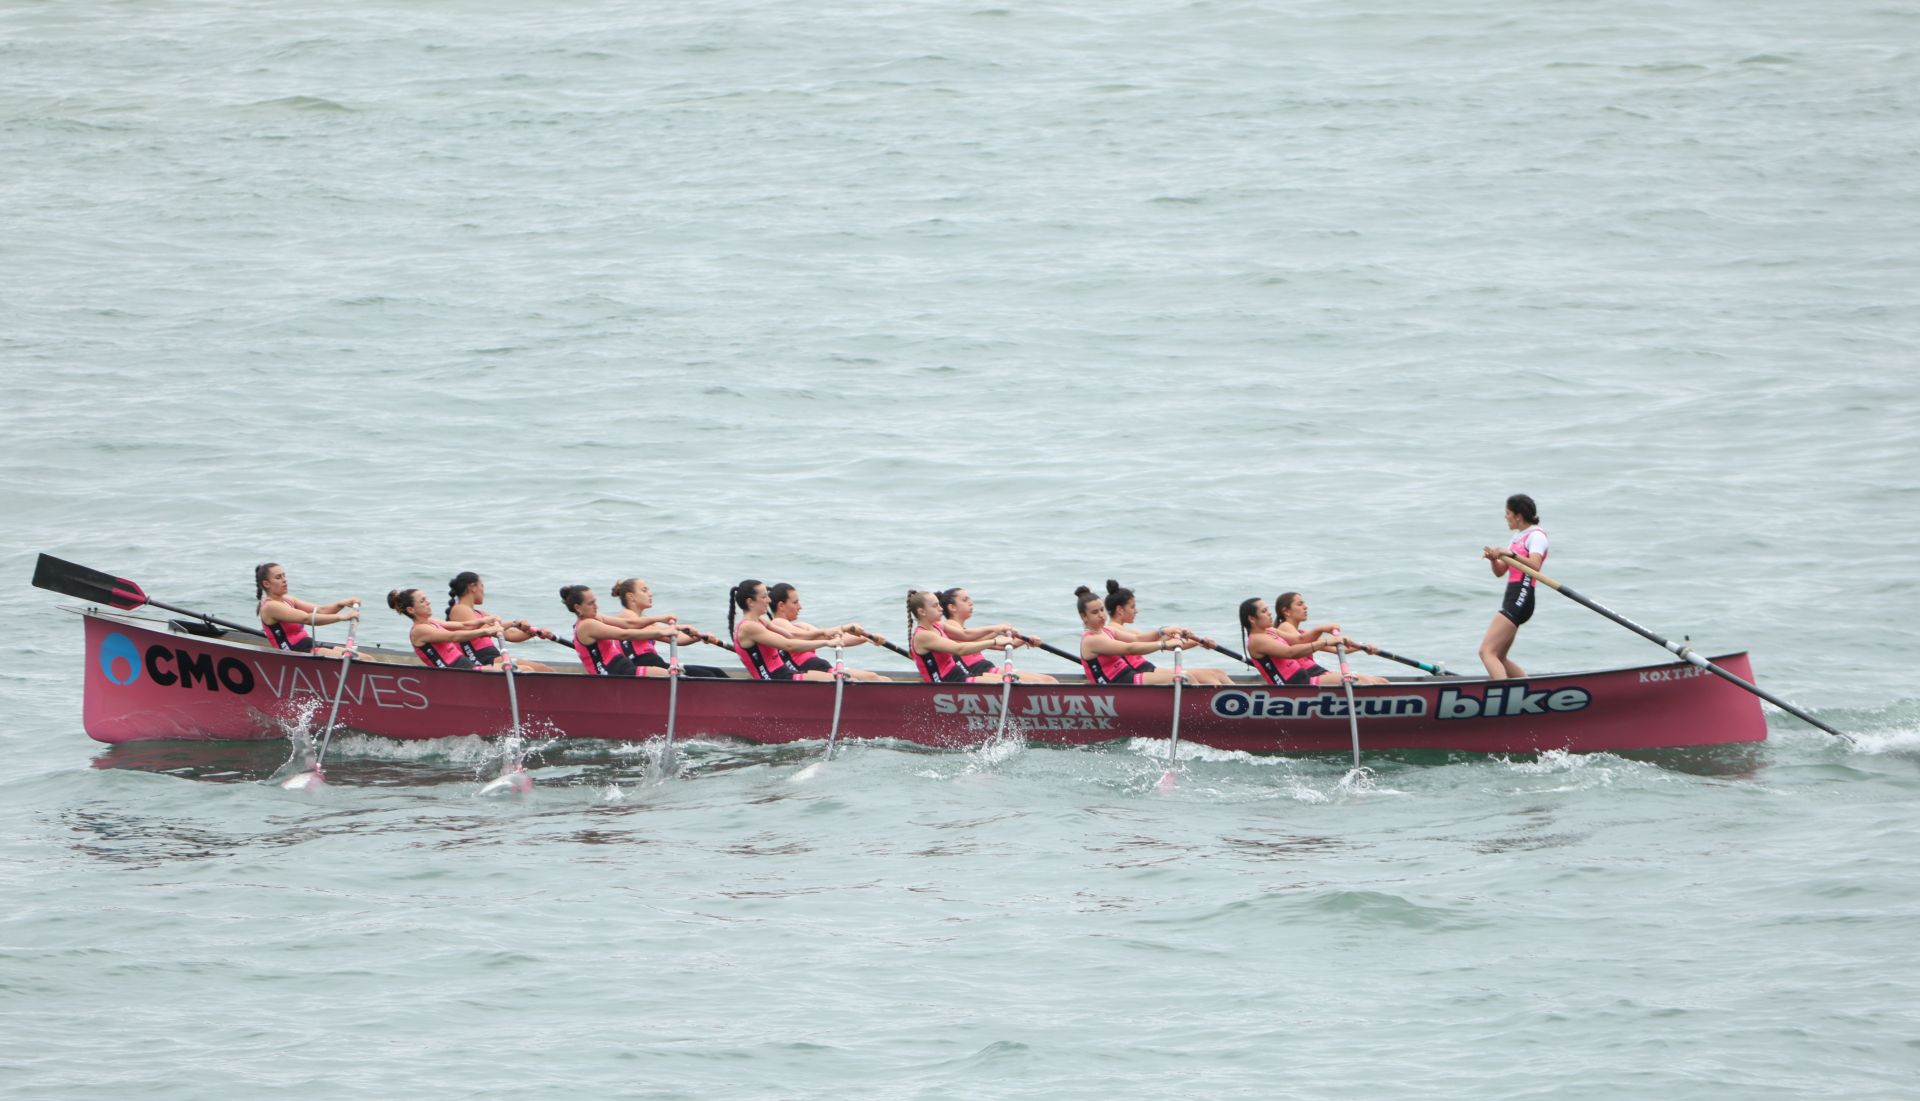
(737, 600)
(1522, 506)
(1248, 609)
(1117, 597)
(402, 599)
(458, 587)
(260, 573)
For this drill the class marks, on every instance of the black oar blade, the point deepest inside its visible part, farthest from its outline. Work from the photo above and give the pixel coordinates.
(75, 580)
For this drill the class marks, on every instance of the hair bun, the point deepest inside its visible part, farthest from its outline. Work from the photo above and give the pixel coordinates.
(1112, 585)
(1083, 591)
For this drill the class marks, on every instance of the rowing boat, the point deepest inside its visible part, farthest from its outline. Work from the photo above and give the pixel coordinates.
(150, 678)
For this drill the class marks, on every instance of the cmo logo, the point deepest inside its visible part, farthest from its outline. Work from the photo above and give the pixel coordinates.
(122, 663)
(120, 659)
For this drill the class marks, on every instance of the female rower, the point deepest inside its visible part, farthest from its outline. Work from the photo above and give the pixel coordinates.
(288, 620)
(1282, 652)
(956, 607)
(764, 651)
(783, 615)
(464, 594)
(599, 642)
(635, 597)
(1121, 610)
(1108, 659)
(1516, 607)
(441, 645)
(941, 658)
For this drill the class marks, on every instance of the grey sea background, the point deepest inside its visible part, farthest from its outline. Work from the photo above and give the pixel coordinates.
(1214, 298)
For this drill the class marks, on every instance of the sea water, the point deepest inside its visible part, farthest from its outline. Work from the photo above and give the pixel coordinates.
(1214, 298)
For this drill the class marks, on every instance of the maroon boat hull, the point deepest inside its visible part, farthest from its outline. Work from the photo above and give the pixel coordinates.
(144, 681)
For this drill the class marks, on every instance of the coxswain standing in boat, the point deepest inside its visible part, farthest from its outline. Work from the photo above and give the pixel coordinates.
(1122, 608)
(602, 645)
(1516, 606)
(1109, 659)
(941, 659)
(766, 652)
(636, 597)
(464, 594)
(288, 620)
(1282, 652)
(783, 615)
(442, 645)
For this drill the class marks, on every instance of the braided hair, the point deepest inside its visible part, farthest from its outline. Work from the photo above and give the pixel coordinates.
(737, 600)
(260, 573)
(458, 587)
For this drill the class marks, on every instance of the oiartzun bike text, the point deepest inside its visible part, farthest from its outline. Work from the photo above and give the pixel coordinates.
(1502, 702)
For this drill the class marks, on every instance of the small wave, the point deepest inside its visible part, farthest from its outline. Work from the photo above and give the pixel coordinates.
(303, 103)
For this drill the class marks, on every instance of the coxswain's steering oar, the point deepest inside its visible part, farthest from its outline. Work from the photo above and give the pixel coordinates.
(513, 778)
(1682, 651)
(314, 778)
(82, 583)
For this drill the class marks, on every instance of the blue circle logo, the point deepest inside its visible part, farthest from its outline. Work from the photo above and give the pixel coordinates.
(120, 659)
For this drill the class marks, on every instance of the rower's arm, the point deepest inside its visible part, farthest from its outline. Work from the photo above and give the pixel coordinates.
(1113, 647)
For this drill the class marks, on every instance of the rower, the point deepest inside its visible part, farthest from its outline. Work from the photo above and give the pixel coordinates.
(635, 597)
(764, 651)
(1282, 652)
(783, 615)
(441, 645)
(598, 641)
(464, 594)
(1122, 609)
(1108, 659)
(956, 607)
(288, 620)
(1516, 606)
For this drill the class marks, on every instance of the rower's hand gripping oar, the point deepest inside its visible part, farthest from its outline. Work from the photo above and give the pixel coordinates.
(1173, 742)
(1682, 651)
(83, 583)
(315, 778)
(1436, 668)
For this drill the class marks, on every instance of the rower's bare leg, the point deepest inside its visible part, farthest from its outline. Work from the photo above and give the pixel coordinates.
(1494, 647)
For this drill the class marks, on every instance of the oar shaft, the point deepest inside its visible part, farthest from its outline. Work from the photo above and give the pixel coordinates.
(839, 690)
(1353, 716)
(1234, 654)
(333, 712)
(1435, 669)
(1680, 650)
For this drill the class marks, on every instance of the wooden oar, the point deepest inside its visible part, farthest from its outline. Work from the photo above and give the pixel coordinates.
(673, 704)
(513, 778)
(1052, 649)
(1353, 717)
(1173, 740)
(316, 777)
(83, 583)
(1683, 652)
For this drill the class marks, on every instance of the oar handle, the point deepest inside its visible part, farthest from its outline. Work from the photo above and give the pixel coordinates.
(1435, 668)
(1531, 572)
(1232, 653)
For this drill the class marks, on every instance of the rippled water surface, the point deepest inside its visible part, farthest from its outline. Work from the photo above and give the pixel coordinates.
(1218, 299)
